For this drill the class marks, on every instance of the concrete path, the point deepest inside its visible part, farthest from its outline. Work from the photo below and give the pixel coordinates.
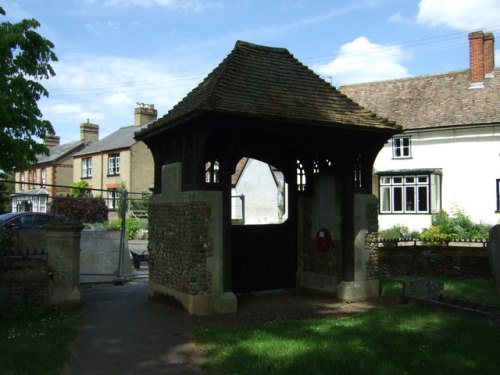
(121, 332)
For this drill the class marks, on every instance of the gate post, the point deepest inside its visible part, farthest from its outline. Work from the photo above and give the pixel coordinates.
(63, 247)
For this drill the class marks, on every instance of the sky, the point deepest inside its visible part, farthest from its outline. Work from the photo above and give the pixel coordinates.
(113, 54)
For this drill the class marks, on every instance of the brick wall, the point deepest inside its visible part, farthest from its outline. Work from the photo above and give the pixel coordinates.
(179, 246)
(23, 281)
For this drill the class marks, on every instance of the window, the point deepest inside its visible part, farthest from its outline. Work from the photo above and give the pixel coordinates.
(301, 176)
(212, 172)
(401, 147)
(113, 199)
(43, 177)
(113, 164)
(23, 181)
(86, 167)
(410, 194)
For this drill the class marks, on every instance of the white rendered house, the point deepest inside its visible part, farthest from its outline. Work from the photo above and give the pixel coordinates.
(447, 157)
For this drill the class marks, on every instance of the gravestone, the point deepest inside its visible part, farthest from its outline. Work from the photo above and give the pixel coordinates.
(423, 289)
(494, 255)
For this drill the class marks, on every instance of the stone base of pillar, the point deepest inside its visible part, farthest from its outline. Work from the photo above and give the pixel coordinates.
(352, 291)
(64, 296)
(223, 303)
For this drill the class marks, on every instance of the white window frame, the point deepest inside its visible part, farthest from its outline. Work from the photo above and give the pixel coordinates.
(43, 177)
(409, 194)
(87, 167)
(401, 147)
(113, 195)
(114, 164)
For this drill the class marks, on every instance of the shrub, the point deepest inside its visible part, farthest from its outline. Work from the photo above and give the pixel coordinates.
(395, 232)
(86, 210)
(132, 226)
(79, 189)
(459, 226)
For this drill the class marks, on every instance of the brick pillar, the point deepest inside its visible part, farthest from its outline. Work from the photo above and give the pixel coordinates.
(476, 55)
(63, 247)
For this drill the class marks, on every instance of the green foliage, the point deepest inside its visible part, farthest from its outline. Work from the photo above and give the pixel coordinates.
(122, 200)
(79, 189)
(141, 204)
(395, 232)
(86, 210)
(132, 227)
(459, 226)
(25, 58)
(6, 188)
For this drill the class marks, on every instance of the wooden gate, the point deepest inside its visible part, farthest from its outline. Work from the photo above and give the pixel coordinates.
(264, 257)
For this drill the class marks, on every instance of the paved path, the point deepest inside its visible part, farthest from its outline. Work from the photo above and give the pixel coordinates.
(122, 332)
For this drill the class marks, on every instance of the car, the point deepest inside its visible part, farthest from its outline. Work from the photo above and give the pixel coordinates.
(25, 220)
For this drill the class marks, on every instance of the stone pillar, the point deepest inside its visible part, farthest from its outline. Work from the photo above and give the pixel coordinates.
(63, 247)
(186, 260)
(365, 284)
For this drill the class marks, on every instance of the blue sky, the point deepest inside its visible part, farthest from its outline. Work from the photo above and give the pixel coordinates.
(115, 53)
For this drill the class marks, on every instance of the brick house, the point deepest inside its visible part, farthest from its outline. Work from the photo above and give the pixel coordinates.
(51, 174)
(447, 155)
(117, 160)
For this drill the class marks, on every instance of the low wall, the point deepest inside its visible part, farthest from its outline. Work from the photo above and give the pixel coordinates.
(457, 261)
(23, 281)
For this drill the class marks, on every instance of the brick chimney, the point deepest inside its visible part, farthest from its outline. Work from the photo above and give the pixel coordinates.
(51, 141)
(482, 57)
(89, 132)
(489, 55)
(476, 55)
(144, 113)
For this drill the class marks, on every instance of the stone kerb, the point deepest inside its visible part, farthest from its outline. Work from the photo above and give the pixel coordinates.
(63, 244)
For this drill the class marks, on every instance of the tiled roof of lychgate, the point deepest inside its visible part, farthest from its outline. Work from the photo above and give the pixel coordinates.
(270, 83)
(431, 101)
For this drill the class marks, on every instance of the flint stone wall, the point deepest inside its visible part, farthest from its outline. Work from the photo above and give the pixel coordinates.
(434, 260)
(179, 246)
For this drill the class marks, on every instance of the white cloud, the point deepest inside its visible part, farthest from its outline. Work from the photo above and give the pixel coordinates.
(398, 18)
(466, 15)
(363, 61)
(105, 90)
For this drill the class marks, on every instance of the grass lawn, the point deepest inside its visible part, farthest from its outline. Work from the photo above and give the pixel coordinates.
(400, 339)
(36, 342)
(473, 289)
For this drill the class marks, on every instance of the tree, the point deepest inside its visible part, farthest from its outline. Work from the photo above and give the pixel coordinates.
(25, 58)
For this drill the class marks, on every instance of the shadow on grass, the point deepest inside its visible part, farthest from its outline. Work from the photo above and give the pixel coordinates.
(392, 340)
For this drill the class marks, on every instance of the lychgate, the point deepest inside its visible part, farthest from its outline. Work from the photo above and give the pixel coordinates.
(262, 103)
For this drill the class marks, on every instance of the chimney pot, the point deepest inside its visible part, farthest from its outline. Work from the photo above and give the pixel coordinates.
(52, 141)
(144, 113)
(89, 132)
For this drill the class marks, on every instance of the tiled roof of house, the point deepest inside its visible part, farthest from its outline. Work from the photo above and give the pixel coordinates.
(431, 101)
(120, 139)
(270, 83)
(59, 151)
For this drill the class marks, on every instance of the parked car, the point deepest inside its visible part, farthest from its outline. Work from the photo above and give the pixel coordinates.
(25, 220)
